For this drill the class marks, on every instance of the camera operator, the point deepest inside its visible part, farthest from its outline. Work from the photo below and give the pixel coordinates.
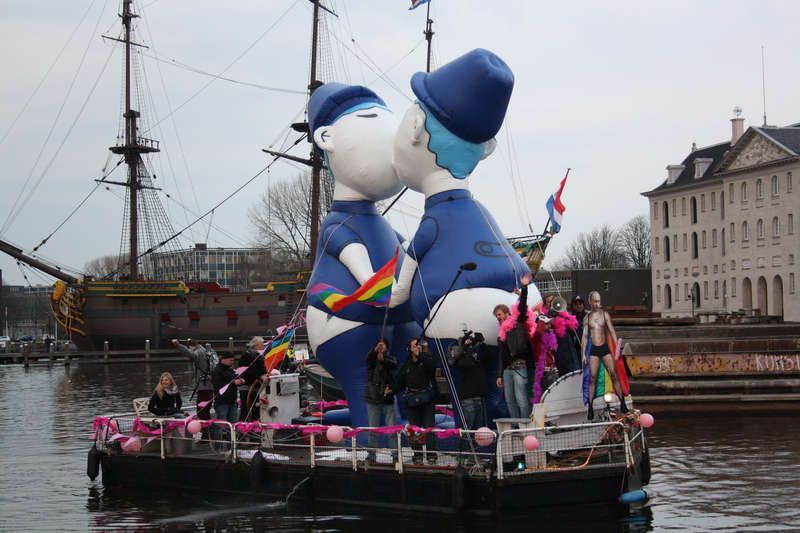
(470, 356)
(204, 360)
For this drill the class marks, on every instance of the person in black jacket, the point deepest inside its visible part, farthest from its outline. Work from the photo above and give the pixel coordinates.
(378, 394)
(416, 381)
(166, 399)
(225, 402)
(255, 374)
(469, 357)
(515, 363)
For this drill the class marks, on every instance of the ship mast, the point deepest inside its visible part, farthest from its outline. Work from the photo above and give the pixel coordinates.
(133, 147)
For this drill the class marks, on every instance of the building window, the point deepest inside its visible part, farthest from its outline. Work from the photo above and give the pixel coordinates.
(705, 290)
(730, 193)
(685, 241)
(666, 249)
(683, 206)
(744, 191)
(788, 182)
(790, 224)
(674, 243)
(703, 203)
(667, 296)
(713, 201)
(703, 239)
(665, 208)
(775, 188)
(791, 259)
(759, 189)
(713, 238)
(716, 289)
(733, 287)
(655, 210)
(674, 206)
(776, 227)
(731, 230)
(791, 282)
(658, 246)
(722, 242)
(693, 208)
(658, 293)
(685, 290)
(658, 274)
(760, 229)
(694, 245)
(745, 232)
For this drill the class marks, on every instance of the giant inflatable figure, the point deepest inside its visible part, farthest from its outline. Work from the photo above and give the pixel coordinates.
(354, 130)
(441, 139)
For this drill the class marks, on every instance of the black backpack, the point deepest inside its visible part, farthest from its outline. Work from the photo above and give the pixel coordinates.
(517, 340)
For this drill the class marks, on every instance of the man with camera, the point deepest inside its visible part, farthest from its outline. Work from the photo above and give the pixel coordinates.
(469, 357)
(378, 394)
(416, 381)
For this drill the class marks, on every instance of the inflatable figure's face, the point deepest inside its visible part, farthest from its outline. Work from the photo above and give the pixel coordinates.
(358, 151)
(430, 159)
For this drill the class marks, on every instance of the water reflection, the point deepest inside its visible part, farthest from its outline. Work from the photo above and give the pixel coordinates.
(721, 473)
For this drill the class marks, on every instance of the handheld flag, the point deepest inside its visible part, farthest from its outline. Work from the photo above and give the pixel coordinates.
(416, 3)
(376, 291)
(277, 350)
(555, 209)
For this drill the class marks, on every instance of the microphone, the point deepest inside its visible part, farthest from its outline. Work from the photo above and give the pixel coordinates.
(468, 266)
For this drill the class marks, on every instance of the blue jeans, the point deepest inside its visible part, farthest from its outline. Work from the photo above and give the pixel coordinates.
(227, 412)
(474, 413)
(515, 388)
(376, 411)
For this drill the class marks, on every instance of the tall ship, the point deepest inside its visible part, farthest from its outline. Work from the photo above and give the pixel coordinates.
(140, 300)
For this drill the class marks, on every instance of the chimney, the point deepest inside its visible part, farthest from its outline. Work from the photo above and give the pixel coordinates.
(701, 164)
(737, 125)
(673, 171)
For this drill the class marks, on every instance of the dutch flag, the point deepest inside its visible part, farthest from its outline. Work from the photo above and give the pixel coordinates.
(555, 208)
(416, 3)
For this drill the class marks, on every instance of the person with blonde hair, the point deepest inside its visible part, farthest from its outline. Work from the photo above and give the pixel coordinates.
(166, 399)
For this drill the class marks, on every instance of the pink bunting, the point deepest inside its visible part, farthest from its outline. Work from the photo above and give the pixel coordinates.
(239, 371)
(224, 388)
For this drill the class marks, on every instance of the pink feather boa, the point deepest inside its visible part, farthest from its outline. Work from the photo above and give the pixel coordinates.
(511, 320)
(562, 321)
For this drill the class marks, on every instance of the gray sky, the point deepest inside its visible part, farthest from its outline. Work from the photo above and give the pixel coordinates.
(615, 90)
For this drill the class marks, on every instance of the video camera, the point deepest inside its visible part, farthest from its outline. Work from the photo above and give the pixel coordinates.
(467, 345)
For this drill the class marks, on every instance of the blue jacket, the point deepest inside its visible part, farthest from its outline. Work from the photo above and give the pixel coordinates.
(355, 222)
(457, 229)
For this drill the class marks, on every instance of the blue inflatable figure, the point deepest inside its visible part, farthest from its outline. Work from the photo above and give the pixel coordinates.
(441, 139)
(354, 130)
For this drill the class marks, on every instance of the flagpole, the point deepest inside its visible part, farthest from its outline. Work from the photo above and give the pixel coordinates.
(428, 36)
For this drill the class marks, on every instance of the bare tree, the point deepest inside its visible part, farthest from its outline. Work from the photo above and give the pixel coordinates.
(634, 239)
(599, 248)
(282, 216)
(103, 266)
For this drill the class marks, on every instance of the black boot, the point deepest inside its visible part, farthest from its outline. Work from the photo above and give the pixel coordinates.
(590, 414)
(622, 407)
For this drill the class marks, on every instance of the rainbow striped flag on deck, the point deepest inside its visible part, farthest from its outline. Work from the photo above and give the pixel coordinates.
(376, 291)
(277, 350)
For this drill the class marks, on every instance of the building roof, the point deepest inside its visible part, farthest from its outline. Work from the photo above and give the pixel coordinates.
(788, 138)
(714, 152)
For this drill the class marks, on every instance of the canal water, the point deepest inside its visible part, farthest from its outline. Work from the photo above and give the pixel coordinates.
(712, 473)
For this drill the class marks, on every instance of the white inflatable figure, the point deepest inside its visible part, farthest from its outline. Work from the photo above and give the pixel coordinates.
(355, 132)
(442, 137)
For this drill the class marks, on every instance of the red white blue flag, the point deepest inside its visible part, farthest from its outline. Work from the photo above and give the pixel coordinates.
(555, 208)
(416, 3)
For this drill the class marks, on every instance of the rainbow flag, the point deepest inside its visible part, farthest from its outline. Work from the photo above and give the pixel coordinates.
(277, 350)
(376, 291)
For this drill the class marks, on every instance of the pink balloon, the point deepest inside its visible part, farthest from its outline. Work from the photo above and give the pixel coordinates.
(194, 427)
(530, 443)
(646, 420)
(132, 445)
(484, 436)
(334, 434)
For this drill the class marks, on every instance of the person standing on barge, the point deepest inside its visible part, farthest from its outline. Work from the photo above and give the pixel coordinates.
(599, 339)
(252, 361)
(516, 354)
(416, 382)
(224, 381)
(378, 395)
(204, 361)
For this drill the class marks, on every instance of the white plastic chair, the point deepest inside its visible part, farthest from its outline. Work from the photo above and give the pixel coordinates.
(140, 406)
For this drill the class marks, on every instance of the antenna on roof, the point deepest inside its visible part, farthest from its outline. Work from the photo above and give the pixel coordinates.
(763, 86)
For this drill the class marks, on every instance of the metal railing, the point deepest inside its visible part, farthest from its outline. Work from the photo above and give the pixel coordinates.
(557, 448)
